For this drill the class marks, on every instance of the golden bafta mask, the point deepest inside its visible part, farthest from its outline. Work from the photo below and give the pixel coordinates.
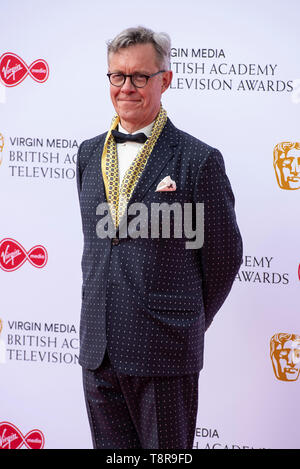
(285, 356)
(1, 146)
(286, 163)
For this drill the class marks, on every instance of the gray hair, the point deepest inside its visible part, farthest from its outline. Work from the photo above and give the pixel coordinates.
(141, 35)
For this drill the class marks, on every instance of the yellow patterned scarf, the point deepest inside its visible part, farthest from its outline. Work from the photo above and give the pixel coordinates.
(118, 197)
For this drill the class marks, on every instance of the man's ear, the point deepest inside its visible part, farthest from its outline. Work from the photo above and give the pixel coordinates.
(166, 80)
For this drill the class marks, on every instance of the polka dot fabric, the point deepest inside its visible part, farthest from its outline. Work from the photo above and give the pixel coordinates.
(140, 412)
(148, 301)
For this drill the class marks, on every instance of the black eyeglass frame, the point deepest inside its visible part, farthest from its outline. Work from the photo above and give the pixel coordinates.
(131, 78)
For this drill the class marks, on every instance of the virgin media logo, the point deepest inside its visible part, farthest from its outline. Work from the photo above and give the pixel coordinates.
(13, 70)
(13, 255)
(12, 438)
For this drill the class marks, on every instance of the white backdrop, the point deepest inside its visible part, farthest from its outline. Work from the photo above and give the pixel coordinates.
(236, 87)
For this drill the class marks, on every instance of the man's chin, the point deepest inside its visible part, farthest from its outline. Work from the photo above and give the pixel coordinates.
(129, 114)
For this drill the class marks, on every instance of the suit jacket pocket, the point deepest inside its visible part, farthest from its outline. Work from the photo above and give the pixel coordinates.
(179, 314)
(172, 302)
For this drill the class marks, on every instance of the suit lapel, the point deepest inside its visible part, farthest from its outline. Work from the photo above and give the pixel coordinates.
(97, 158)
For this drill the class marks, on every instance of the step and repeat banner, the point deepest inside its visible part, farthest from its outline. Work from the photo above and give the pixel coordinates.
(236, 86)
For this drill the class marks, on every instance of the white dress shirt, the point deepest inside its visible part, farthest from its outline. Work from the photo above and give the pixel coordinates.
(127, 151)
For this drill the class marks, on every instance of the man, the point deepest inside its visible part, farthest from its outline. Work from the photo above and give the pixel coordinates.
(146, 301)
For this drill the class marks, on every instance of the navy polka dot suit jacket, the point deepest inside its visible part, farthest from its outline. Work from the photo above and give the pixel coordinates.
(148, 301)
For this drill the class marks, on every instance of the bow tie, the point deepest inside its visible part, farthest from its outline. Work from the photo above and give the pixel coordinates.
(122, 138)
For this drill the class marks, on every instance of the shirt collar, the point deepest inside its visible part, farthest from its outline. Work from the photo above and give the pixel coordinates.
(146, 130)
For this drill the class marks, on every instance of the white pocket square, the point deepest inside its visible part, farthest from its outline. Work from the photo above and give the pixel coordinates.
(167, 184)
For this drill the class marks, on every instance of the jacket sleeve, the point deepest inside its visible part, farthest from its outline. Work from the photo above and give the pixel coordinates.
(221, 254)
(78, 170)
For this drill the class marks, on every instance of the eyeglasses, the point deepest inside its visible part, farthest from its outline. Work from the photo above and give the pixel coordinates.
(137, 79)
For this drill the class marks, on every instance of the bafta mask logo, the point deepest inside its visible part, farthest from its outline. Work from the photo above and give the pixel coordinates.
(287, 165)
(1, 147)
(285, 356)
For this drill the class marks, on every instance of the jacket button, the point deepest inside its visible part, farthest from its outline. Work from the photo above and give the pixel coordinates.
(115, 241)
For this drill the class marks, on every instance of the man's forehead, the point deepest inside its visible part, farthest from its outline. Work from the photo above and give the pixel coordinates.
(134, 50)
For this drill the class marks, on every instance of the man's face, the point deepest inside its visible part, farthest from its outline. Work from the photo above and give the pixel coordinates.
(137, 107)
(288, 170)
(286, 361)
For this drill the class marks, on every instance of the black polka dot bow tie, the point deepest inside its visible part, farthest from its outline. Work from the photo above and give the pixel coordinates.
(122, 138)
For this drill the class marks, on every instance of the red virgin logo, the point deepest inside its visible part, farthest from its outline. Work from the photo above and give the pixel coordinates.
(13, 255)
(13, 70)
(12, 438)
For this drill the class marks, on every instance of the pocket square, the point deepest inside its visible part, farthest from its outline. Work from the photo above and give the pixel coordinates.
(167, 184)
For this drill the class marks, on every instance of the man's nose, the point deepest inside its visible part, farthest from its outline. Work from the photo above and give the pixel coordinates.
(128, 87)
